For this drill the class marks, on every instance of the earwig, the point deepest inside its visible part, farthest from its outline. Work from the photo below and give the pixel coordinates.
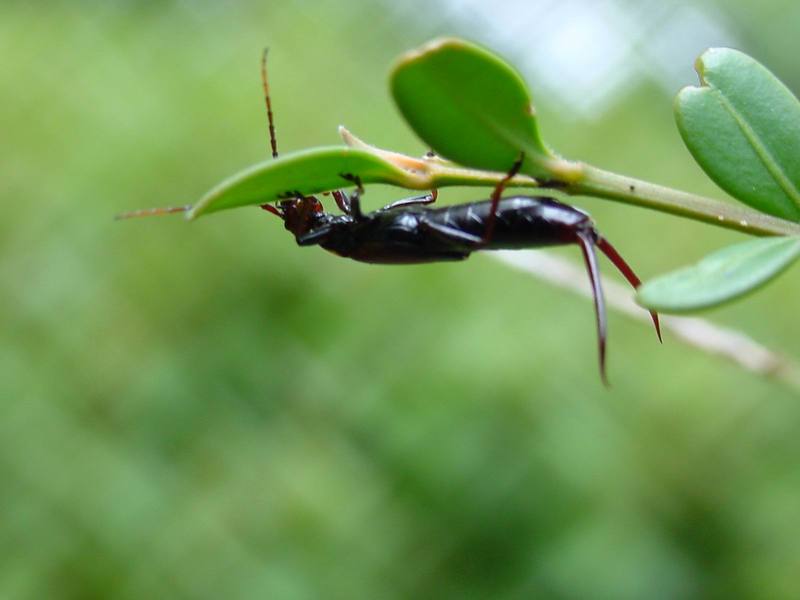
(409, 231)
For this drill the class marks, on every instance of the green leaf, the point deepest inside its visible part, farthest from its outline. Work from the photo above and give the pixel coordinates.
(469, 106)
(743, 127)
(720, 277)
(307, 172)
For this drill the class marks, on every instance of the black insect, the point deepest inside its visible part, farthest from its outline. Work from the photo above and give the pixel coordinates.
(408, 231)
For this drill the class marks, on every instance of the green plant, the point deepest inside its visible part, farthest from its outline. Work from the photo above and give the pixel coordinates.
(741, 124)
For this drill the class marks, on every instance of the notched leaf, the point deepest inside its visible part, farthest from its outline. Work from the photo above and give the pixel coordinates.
(743, 128)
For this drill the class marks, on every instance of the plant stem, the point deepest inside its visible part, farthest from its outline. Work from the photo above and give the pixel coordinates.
(580, 179)
(604, 184)
(447, 176)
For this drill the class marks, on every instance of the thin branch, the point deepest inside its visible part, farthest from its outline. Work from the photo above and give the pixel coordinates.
(576, 178)
(728, 344)
(604, 184)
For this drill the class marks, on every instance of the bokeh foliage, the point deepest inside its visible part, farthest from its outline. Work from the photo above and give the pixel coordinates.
(206, 410)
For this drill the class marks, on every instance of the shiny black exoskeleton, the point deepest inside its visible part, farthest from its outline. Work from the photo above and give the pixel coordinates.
(408, 232)
(416, 234)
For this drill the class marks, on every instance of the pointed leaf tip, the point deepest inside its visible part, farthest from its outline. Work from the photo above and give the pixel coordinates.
(305, 172)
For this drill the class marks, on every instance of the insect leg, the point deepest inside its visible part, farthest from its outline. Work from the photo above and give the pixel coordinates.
(498, 191)
(429, 198)
(345, 203)
(451, 234)
(624, 268)
(586, 242)
(342, 201)
(354, 201)
(313, 237)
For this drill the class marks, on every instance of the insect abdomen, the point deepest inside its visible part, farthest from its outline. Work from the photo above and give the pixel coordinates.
(522, 221)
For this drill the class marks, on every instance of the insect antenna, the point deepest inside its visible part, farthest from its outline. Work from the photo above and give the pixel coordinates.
(624, 268)
(168, 210)
(590, 258)
(152, 212)
(273, 142)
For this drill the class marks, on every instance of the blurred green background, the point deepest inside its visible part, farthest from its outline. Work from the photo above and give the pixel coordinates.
(207, 411)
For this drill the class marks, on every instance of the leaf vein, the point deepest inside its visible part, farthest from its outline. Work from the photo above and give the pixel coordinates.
(766, 157)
